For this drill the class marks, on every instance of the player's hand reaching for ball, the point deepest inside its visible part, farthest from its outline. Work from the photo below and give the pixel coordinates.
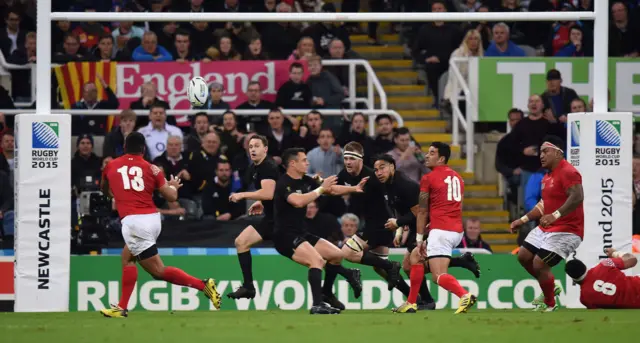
(175, 182)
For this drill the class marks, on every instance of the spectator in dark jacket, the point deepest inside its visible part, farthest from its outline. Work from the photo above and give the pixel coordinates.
(578, 46)
(11, 37)
(149, 97)
(278, 137)
(86, 166)
(354, 130)
(324, 32)
(623, 32)
(556, 97)
(71, 51)
(325, 87)
(310, 132)
(472, 236)
(294, 94)
(383, 142)
(93, 124)
(280, 39)
(202, 164)
(254, 102)
(7, 157)
(114, 142)
(215, 196)
(201, 124)
(230, 136)
(508, 156)
(174, 162)
(215, 102)
(255, 50)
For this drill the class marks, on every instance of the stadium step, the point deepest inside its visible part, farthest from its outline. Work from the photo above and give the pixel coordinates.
(426, 126)
(500, 238)
(427, 138)
(391, 90)
(423, 114)
(474, 203)
(487, 217)
(391, 64)
(385, 39)
(499, 228)
(404, 77)
(371, 52)
(480, 190)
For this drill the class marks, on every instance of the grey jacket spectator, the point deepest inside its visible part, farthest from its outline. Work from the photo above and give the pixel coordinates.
(325, 87)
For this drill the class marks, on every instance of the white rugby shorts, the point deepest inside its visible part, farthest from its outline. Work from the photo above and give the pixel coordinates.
(140, 231)
(561, 243)
(442, 242)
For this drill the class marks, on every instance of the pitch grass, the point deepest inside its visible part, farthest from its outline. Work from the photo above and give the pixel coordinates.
(486, 326)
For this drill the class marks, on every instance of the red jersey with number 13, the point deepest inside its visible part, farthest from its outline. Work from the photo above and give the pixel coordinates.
(554, 194)
(132, 181)
(606, 286)
(446, 189)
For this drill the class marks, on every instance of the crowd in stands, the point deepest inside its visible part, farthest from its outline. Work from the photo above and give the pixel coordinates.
(210, 154)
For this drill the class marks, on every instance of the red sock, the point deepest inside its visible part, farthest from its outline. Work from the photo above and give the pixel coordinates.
(452, 285)
(129, 278)
(548, 286)
(416, 276)
(178, 277)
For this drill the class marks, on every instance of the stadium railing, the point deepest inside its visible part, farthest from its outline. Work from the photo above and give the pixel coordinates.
(6, 67)
(460, 85)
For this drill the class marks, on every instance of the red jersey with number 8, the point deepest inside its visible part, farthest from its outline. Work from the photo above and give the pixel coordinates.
(132, 181)
(554, 194)
(606, 286)
(446, 190)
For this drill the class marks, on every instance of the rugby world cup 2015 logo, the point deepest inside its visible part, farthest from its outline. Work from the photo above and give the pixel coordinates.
(574, 146)
(45, 135)
(45, 144)
(608, 141)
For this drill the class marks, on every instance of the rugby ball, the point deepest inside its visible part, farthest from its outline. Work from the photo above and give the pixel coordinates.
(198, 91)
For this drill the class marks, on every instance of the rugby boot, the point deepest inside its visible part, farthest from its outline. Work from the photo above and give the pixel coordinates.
(323, 308)
(333, 301)
(242, 293)
(355, 282)
(466, 302)
(115, 312)
(211, 292)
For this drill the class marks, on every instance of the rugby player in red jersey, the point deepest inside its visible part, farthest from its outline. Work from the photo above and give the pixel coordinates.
(132, 180)
(561, 225)
(440, 200)
(605, 285)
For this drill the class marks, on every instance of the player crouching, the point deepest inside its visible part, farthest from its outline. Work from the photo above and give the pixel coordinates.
(605, 285)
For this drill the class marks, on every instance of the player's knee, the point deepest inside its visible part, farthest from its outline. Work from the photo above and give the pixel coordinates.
(241, 243)
(317, 262)
(435, 277)
(523, 258)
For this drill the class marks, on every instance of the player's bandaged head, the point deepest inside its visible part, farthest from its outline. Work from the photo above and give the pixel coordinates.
(552, 142)
(576, 270)
(354, 150)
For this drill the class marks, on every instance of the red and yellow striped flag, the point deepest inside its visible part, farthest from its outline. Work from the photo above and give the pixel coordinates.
(73, 75)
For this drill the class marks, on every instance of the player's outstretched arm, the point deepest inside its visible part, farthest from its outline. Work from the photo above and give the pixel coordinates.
(302, 200)
(169, 190)
(266, 192)
(629, 260)
(339, 190)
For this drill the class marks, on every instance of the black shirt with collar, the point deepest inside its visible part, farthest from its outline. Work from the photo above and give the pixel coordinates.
(289, 140)
(259, 122)
(369, 204)
(202, 167)
(288, 218)
(382, 145)
(401, 194)
(215, 200)
(170, 167)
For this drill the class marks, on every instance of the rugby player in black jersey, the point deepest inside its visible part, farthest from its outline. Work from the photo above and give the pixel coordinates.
(264, 173)
(294, 191)
(371, 245)
(401, 195)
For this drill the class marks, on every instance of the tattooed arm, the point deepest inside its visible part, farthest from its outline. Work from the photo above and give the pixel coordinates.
(423, 213)
(575, 196)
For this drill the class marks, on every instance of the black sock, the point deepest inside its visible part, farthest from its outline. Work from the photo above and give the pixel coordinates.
(245, 265)
(458, 262)
(370, 259)
(315, 280)
(330, 275)
(424, 292)
(403, 287)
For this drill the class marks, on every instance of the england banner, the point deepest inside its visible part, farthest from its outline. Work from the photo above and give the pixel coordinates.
(42, 212)
(600, 146)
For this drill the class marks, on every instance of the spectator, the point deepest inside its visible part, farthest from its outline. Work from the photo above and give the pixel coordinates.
(59, 31)
(310, 132)
(255, 102)
(214, 102)
(529, 133)
(279, 139)
(350, 224)
(353, 130)
(240, 34)
(556, 97)
(532, 191)
(174, 162)
(502, 46)
(158, 131)
(242, 161)
(337, 52)
(472, 237)
(508, 157)
(7, 161)
(434, 45)
(6, 206)
(280, 38)
(215, 196)
(11, 38)
(230, 137)
(408, 156)
(254, 51)
(150, 51)
(149, 98)
(304, 50)
(192, 6)
(104, 50)
(70, 51)
(560, 33)
(125, 31)
(182, 47)
(483, 27)
(26, 53)
(201, 125)
(325, 159)
(224, 52)
(86, 166)
(578, 106)
(114, 142)
(323, 33)
(201, 37)
(308, 6)
(322, 224)
(471, 46)
(326, 90)
(469, 6)
(384, 140)
(202, 164)
(95, 125)
(294, 94)
(372, 26)
(575, 47)
(623, 32)
(89, 32)
(21, 85)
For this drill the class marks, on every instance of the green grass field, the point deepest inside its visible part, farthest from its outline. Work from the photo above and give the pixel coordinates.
(568, 326)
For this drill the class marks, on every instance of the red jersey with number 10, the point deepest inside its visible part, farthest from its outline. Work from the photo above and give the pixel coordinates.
(132, 181)
(554, 194)
(606, 286)
(446, 189)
